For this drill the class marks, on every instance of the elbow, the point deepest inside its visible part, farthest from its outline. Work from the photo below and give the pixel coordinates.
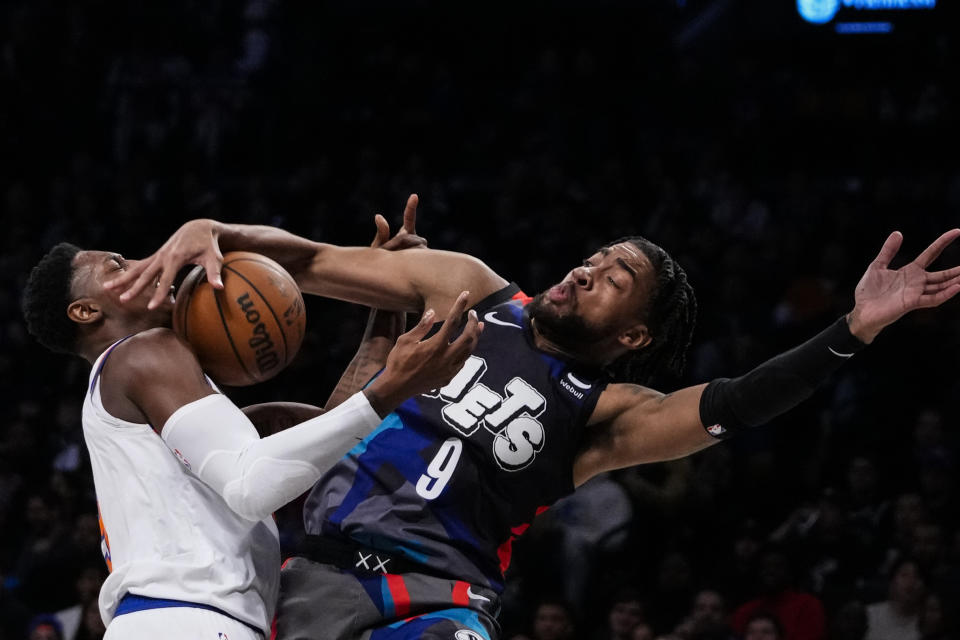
(268, 485)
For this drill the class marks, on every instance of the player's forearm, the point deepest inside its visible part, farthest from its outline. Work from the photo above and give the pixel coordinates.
(257, 476)
(293, 252)
(390, 280)
(354, 274)
(778, 385)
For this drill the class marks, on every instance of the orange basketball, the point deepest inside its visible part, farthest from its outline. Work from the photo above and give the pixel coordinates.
(248, 331)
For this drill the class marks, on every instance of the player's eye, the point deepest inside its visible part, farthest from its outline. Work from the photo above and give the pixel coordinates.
(613, 282)
(587, 263)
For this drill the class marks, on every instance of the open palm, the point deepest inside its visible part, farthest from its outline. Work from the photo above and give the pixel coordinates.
(883, 295)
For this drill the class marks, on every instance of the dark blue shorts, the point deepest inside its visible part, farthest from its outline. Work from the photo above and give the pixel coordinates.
(323, 601)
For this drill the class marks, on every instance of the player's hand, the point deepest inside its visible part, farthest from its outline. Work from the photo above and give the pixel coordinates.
(390, 324)
(884, 295)
(406, 237)
(417, 365)
(193, 243)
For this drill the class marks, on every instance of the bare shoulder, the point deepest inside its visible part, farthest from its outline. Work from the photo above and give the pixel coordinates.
(145, 362)
(153, 347)
(153, 356)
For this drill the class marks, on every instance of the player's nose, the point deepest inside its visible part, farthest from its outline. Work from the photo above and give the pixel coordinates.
(583, 276)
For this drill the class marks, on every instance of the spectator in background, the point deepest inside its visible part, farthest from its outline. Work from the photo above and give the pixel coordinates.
(935, 621)
(763, 625)
(938, 485)
(86, 589)
(553, 620)
(908, 511)
(821, 537)
(849, 622)
(672, 592)
(626, 612)
(735, 575)
(708, 618)
(44, 578)
(92, 627)
(642, 631)
(44, 627)
(801, 615)
(865, 506)
(928, 546)
(896, 617)
(590, 522)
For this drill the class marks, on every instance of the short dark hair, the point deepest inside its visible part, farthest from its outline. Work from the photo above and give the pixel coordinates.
(45, 299)
(670, 315)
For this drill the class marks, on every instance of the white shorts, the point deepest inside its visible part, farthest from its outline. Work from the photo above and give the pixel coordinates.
(178, 623)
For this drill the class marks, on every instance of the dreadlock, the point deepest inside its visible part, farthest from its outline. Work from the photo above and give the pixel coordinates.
(670, 315)
(45, 299)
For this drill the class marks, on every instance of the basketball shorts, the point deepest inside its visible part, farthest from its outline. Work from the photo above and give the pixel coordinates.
(322, 601)
(178, 622)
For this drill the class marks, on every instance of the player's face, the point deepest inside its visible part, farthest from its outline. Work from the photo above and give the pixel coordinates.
(599, 300)
(93, 268)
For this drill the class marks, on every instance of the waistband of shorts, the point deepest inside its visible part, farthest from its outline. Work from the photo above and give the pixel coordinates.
(131, 603)
(357, 558)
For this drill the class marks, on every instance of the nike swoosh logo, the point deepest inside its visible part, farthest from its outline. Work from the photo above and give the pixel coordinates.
(578, 383)
(840, 355)
(473, 596)
(490, 316)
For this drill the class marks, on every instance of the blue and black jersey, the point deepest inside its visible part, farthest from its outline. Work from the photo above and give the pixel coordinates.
(451, 477)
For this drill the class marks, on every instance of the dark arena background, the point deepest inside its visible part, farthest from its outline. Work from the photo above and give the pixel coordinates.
(771, 152)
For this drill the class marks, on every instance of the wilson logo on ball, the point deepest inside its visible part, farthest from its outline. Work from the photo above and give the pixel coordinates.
(260, 342)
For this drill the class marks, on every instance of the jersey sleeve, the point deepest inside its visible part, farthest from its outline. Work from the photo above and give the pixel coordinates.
(510, 292)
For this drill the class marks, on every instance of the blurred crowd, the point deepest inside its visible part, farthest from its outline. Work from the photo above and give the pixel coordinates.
(771, 160)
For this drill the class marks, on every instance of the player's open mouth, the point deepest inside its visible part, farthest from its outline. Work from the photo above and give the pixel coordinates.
(559, 293)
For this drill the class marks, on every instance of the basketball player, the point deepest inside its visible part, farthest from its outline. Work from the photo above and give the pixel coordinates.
(412, 530)
(185, 486)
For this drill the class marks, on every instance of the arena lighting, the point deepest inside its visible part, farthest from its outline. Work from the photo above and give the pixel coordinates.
(824, 11)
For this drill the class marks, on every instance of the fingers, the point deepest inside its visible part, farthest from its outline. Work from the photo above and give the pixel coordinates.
(465, 343)
(421, 329)
(212, 263)
(126, 278)
(936, 277)
(936, 299)
(936, 287)
(932, 252)
(410, 214)
(145, 273)
(383, 231)
(452, 321)
(889, 249)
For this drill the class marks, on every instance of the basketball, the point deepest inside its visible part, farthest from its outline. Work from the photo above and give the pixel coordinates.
(250, 330)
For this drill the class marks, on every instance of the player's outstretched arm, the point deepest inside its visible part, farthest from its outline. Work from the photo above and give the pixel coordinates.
(404, 280)
(634, 425)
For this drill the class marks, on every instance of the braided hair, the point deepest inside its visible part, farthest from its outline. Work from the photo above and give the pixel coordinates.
(670, 315)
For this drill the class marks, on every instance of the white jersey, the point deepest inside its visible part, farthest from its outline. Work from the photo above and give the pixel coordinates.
(166, 534)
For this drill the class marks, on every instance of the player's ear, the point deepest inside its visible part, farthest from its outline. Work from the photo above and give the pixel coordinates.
(636, 337)
(84, 311)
